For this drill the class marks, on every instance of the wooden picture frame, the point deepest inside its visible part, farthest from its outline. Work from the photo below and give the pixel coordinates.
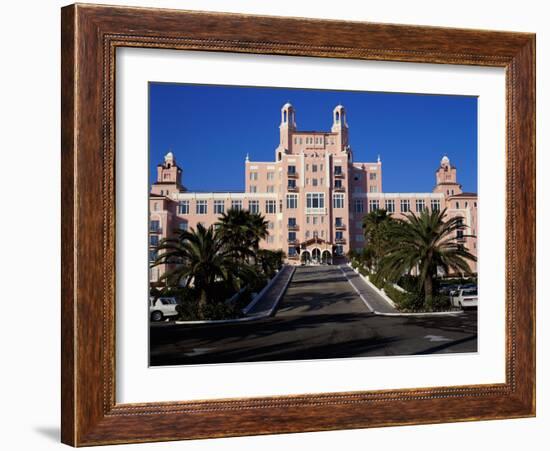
(90, 36)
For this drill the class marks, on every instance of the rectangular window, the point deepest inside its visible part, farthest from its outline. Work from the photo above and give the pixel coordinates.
(270, 189)
(315, 220)
(219, 207)
(291, 201)
(237, 204)
(291, 236)
(390, 206)
(373, 189)
(315, 200)
(337, 170)
(253, 188)
(337, 183)
(313, 168)
(436, 206)
(254, 206)
(153, 240)
(270, 225)
(183, 207)
(338, 222)
(270, 176)
(152, 255)
(338, 249)
(202, 207)
(420, 205)
(337, 200)
(372, 176)
(270, 207)
(155, 225)
(253, 176)
(374, 205)
(339, 235)
(405, 205)
(292, 183)
(314, 182)
(291, 251)
(183, 226)
(292, 170)
(291, 222)
(270, 239)
(358, 206)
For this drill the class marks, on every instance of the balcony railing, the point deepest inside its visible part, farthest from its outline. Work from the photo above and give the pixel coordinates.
(340, 241)
(316, 211)
(292, 189)
(291, 241)
(339, 175)
(340, 226)
(292, 174)
(293, 227)
(339, 189)
(155, 229)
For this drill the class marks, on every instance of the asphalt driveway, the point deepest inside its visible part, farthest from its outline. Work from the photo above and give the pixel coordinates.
(320, 316)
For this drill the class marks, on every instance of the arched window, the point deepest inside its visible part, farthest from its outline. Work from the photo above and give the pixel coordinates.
(279, 156)
(337, 116)
(284, 116)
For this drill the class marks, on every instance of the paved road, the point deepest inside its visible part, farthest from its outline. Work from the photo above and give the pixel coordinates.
(373, 299)
(320, 316)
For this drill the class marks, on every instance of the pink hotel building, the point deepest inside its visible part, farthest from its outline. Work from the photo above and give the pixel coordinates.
(313, 195)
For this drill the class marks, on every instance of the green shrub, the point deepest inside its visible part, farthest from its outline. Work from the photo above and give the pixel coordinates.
(364, 271)
(377, 280)
(408, 283)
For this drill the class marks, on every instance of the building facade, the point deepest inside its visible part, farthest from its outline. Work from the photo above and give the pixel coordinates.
(313, 195)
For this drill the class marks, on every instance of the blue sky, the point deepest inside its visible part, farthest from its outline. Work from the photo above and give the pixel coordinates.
(210, 129)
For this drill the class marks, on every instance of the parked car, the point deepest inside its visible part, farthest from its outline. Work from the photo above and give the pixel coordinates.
(464, 297)
(162, 308)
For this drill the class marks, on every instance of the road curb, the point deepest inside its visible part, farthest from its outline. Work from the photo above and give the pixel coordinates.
(387, 299)
(282, 292)
(246, 318)
(254, 301)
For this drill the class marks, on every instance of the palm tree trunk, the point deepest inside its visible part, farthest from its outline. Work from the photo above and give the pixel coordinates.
(202, 304)
(428, 291)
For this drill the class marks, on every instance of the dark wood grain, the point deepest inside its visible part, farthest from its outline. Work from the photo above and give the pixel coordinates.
(90, 36)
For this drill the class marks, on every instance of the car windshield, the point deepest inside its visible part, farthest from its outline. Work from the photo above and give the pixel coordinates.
(470, 292)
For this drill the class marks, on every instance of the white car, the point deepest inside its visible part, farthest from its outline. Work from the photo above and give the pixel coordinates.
(162, 308)
(464, 298)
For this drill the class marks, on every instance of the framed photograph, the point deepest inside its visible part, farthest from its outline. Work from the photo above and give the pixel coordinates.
(266, 230)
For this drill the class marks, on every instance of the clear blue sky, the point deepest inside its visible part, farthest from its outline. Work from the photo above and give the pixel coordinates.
(210, 129)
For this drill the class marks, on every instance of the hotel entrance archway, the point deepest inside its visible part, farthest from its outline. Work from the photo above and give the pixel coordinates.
(305, 257)
(316, 255)
(326, 258)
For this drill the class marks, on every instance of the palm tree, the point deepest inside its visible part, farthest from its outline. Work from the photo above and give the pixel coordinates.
(242, 232)
(258, 229)
(201, 258)
(375, 227)
(426, 242)
(234, 228)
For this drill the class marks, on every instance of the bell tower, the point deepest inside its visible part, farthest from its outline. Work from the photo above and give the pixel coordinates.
(445, 178)
(340, 126)
(168, 176)
(286, 128)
